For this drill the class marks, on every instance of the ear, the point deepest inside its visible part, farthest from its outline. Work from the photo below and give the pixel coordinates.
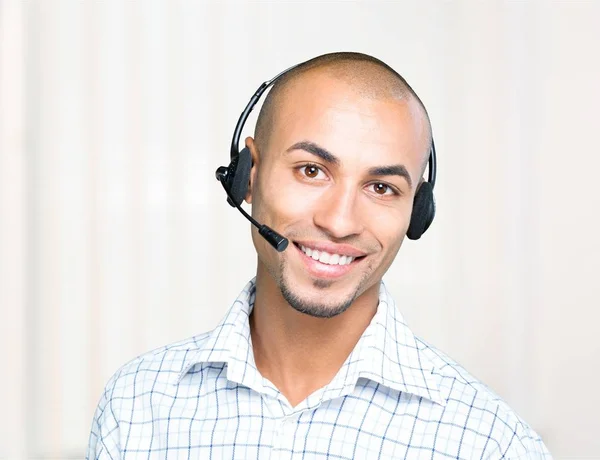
(251, 145)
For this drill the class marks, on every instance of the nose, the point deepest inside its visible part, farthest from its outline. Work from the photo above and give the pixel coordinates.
(339, 213)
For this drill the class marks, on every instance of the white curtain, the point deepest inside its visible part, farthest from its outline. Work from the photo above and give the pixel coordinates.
(115, 238)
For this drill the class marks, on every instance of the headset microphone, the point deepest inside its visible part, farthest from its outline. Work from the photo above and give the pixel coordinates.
(273, 238)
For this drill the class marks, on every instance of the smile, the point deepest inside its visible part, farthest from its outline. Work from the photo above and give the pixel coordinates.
(327, 258)
(328, 265)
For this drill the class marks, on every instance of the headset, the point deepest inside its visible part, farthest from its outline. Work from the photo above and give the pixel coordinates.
(235, 179)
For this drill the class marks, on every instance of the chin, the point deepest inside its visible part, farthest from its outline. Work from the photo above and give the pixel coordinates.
(319, 298)
(315, 307)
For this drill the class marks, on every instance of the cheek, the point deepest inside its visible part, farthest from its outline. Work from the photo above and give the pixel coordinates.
(388, 227)
(388, 223)
(284, 199)
(272, 206)
(392, 245)
(393, 241)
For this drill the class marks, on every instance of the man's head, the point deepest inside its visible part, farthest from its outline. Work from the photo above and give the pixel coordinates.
(340, 147)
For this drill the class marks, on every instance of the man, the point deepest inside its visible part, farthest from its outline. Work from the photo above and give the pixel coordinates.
(313, 360)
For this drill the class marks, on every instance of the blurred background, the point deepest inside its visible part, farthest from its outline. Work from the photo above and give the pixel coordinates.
(115, 238)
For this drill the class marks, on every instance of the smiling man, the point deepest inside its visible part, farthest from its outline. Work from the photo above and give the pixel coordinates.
(314, 360)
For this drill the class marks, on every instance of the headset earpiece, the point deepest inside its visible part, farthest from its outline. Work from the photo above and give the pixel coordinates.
(423, 211)
(238, 176)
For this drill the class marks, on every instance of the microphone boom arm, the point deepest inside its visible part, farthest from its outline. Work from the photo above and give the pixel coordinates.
(279, 242)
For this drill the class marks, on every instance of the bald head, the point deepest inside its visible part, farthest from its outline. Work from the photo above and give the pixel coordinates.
(367, 76)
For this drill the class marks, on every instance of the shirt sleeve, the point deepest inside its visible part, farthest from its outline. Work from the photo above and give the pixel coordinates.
(104, 441)
(527, 445)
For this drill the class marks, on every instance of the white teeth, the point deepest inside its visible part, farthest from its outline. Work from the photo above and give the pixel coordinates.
(326, 258)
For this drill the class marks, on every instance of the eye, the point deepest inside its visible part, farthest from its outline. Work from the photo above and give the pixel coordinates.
(382, 189)
(311, 171)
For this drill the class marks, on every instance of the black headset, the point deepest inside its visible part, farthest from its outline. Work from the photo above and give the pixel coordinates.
(235, 179)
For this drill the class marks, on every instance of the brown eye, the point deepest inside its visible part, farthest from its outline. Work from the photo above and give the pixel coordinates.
(380, 189)
(311, 171)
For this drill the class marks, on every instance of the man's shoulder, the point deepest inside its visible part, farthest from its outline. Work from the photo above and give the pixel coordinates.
(129, 393)
(469, 399)
(453, 376)
(158, 366)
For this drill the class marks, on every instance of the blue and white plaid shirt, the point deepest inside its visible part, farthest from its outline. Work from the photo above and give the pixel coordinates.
(395, 397)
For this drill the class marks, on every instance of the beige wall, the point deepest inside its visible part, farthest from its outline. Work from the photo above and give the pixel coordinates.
(114, 115)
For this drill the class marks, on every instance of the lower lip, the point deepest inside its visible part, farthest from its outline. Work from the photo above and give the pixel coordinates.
(321, 270)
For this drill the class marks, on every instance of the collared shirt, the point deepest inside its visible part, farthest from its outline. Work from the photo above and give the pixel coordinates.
(395, 397)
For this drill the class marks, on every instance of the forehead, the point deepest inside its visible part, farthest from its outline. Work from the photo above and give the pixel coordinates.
(350, 122)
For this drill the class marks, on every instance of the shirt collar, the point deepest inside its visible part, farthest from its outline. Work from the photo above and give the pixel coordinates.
(387, 353)
(230, 343)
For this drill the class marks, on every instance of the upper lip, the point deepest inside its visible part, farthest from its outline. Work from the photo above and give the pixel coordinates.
(331, 248)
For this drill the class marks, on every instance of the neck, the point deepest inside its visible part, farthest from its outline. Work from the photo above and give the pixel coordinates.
(299, 353)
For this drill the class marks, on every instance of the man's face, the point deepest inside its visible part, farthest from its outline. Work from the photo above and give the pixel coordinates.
(333, 181)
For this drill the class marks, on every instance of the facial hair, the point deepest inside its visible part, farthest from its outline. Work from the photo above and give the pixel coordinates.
(317, 310)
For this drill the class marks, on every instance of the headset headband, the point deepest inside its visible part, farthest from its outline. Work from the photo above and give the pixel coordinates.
(237, 133)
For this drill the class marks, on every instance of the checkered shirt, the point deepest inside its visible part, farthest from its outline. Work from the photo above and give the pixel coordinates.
(395, 397)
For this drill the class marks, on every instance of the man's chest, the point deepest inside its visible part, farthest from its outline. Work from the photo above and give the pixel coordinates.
(241, 424)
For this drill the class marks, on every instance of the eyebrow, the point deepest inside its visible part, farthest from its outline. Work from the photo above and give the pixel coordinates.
(328, 157)
(394, 170)
(317, 150)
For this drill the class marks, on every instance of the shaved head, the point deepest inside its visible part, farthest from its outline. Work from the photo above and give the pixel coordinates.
(368, 76)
